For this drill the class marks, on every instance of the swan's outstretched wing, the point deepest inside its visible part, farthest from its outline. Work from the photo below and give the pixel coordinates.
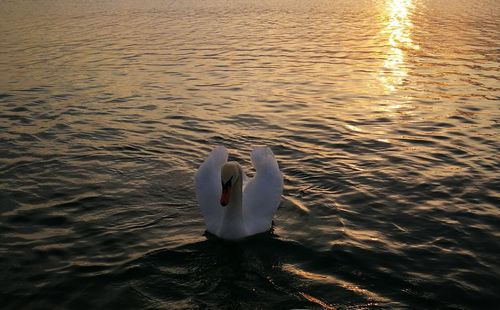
(262, 194)
(209, 189)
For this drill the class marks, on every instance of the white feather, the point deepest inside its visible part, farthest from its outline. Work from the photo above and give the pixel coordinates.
(208, 188)
(261, 194)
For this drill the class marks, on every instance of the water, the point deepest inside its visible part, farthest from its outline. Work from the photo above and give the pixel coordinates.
(384, 117)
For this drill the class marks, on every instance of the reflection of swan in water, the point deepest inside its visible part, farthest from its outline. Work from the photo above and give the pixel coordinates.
(233, 205)
(217, 274)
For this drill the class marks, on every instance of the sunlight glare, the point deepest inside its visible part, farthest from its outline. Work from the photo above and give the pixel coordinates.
(398, 32)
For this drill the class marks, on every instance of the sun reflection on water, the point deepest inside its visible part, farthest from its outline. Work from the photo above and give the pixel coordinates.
(398, 32)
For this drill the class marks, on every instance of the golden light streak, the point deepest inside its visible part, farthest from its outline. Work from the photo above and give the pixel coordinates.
(333, 281)
(398, 32)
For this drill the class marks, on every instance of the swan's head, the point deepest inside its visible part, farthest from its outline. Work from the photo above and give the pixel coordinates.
(230, 174)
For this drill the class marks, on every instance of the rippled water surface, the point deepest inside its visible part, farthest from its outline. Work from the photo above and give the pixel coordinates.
(383, 115)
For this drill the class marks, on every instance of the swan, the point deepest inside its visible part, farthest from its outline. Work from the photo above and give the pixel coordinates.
(233, 205)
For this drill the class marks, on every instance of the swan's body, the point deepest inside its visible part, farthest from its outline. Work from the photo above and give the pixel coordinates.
(233, 205)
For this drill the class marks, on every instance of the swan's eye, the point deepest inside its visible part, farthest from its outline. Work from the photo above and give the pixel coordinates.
(226, 184)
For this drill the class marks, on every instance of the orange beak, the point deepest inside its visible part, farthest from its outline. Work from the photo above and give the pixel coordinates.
(224, 198)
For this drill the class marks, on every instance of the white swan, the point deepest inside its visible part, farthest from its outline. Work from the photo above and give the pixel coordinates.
(233, 205)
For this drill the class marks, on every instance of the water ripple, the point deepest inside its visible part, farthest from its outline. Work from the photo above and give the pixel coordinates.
(383, 116)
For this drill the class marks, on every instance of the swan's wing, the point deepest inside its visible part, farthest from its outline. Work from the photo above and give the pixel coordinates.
(209, 189)
(262, 194)
(246, 179)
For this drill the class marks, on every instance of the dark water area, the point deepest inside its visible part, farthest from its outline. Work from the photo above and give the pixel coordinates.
(384, 117)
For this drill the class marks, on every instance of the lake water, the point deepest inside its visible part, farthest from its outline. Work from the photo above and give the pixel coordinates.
(384, 117)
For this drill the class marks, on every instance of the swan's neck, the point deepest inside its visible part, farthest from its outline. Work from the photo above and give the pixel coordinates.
(233, 224)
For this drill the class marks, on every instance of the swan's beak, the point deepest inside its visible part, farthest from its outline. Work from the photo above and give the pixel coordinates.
(224, 198)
